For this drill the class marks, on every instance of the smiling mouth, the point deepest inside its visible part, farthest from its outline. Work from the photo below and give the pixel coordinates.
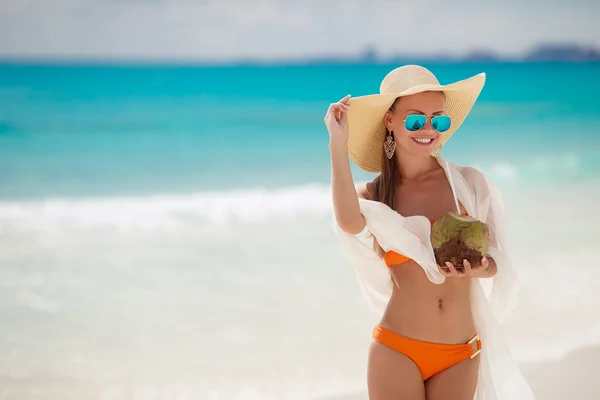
(423, 141)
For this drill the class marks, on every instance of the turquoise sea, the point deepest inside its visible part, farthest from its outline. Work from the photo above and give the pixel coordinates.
(165, 231)
(111, 130)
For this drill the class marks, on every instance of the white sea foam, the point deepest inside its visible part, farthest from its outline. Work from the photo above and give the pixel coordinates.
(163, 212)
(174, 211)
(552, 169)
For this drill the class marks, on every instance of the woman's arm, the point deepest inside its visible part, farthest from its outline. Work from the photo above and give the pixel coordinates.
(344, 193)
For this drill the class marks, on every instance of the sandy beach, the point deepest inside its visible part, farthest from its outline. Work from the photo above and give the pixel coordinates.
(570, 377)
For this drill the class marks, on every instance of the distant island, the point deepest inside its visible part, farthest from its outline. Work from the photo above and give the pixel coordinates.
(557, 52)
(543, 52)
(547, 52)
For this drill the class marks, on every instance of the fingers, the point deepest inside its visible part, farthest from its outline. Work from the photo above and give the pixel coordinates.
(345, 99)
(485, 262)
(337, 110)
(467, 266)
(452, 269)
(339, 106)
(342, 107)
(444, 271)
(466, 271)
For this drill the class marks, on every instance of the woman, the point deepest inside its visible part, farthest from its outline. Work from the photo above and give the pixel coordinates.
(437, 337)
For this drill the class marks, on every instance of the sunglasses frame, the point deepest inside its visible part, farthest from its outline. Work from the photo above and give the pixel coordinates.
(427, 118)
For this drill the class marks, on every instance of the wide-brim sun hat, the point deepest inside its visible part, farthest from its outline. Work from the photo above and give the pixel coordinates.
(367, 130)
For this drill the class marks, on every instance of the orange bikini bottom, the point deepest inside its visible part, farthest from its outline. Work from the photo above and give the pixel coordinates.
(431, 358)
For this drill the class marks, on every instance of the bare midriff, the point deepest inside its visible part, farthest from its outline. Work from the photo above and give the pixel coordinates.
(427, 311)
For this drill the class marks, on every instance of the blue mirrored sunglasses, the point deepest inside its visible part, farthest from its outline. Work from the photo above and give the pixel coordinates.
(414, 122)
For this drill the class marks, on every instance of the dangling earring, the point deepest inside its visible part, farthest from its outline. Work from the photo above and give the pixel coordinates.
(389, 145)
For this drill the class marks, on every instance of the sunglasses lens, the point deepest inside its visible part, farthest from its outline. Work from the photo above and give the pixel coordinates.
(441, 123)
(415, 122)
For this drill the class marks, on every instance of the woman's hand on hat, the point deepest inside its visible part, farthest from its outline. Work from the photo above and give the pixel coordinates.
(336, 119)
(481, 271)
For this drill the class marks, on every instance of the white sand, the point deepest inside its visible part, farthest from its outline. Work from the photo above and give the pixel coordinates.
(572, 377)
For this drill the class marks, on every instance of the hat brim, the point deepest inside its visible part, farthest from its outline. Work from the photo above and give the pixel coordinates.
(365, 118)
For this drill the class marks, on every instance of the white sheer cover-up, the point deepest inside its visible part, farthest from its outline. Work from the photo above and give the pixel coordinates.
(493, 299)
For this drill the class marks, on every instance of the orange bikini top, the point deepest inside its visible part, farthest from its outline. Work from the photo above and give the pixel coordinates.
(393, 258)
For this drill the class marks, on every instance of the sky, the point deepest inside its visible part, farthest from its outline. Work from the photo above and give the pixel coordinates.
(282, 29)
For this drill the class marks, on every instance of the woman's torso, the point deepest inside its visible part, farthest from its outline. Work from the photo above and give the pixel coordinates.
(419, 308)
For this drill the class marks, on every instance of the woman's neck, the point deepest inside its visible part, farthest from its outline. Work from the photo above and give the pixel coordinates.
(412, 167)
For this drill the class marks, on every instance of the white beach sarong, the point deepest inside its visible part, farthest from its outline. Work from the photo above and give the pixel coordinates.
(493, 299)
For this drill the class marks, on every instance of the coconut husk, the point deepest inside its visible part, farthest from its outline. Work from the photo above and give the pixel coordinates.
(457, 237)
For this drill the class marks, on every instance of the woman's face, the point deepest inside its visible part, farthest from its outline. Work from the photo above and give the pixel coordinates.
(422, 141)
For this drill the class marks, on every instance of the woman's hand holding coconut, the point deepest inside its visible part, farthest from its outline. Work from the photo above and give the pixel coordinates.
(484, 270)
(460, 244)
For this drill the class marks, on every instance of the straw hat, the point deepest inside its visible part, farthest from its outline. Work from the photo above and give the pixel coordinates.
(367, 130)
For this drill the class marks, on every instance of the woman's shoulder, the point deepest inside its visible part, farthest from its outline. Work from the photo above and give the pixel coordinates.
(367, 190)
(475, 178)
(470, 173)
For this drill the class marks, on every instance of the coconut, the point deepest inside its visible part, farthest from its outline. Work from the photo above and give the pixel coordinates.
(458, 237)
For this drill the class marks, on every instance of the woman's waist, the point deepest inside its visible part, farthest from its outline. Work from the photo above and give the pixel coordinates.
(432, 318)
(411, 285)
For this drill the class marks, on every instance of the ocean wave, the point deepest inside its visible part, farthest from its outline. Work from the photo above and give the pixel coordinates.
(175, 211)
(161, 212)
(551, 168)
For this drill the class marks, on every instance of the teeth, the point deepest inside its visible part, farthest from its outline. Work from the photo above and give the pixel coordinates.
(423, 140)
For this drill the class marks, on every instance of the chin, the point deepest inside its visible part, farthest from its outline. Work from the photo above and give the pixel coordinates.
(422, 151)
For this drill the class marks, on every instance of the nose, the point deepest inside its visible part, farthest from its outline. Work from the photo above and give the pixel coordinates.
(428, 127)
